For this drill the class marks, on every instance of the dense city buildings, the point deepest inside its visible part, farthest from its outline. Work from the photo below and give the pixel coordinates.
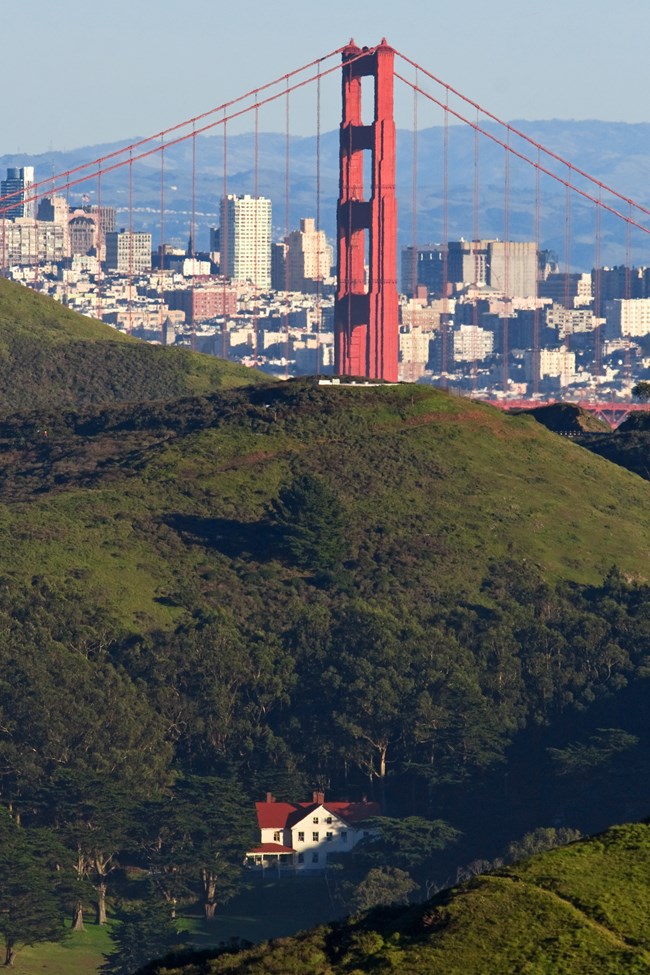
(489, 318)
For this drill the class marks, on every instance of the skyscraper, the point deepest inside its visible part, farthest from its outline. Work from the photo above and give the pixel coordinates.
(245, 239)
(16, 186)
(309, 257)
(514, 267)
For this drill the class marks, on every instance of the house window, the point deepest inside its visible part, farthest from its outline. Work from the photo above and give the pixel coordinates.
(301, 858)
(314, 837)
(344, 835)
(314, 858)
(301, 837)
(315, 819)
(329, 820)
(277, 836)
(328, 837)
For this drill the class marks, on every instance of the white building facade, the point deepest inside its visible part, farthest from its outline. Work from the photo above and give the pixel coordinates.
(245, 240)
(306, 836)
(128, 252)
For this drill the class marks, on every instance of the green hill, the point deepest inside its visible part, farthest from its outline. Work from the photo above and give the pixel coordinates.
(52, 357)
(385, 590)
(144, 501)
(578, 909)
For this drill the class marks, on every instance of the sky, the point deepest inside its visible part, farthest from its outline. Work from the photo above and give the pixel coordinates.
(79, 74)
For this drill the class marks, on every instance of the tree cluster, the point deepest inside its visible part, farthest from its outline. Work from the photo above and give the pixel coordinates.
(148, 752)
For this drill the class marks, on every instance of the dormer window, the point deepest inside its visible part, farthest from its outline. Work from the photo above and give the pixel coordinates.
(277, 836)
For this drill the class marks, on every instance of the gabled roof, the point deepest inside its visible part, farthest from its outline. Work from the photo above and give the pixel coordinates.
(286, 815)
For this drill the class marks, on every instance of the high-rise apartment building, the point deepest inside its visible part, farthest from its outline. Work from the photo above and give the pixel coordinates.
(17, 186)
(472, 343)
(628, 317)
(128, 252)
(245, 239)
(467, 262)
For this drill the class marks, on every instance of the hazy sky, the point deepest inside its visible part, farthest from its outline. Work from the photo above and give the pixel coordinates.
(75, 73)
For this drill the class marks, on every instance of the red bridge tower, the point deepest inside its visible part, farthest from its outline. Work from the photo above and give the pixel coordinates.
(366, 323)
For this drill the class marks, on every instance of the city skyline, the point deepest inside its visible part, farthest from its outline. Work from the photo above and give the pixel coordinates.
(492, 317)
(480, 292)
(127, 82)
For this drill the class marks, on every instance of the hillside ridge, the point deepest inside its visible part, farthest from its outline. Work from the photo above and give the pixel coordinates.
(549, 913)
(53, 358)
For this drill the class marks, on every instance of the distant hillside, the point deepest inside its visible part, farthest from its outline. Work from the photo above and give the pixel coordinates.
(387, 589)
(52, 357)
(578, 910)
(615, 153)
(567, 418)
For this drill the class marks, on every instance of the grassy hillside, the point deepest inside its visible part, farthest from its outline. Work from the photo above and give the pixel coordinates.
(53, 357)
(579, 909)
(145, 502)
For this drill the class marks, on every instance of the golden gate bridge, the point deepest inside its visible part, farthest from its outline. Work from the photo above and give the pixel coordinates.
(366, 323)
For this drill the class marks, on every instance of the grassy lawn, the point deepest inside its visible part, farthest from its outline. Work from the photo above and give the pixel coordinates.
(81, 953)
(269, 909)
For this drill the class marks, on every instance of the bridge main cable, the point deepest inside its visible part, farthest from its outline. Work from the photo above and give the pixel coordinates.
(522, 135)
(531, 162)
(44, 183)
(51, 181)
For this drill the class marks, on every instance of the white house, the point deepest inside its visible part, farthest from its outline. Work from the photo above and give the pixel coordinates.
(301, 836)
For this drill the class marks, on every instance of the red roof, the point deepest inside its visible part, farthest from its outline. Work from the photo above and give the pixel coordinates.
(271, 848)
(274, 815)
(353, 812)
(281, 815)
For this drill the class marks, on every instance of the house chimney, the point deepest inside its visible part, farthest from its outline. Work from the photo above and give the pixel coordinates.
(318, 797)
(270, 797)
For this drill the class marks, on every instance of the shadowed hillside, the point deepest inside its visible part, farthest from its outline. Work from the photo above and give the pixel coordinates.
(567, 418)
(51, 357)
(579, 909)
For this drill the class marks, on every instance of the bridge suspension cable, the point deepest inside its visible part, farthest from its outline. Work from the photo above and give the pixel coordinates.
(535, 164)
(43, 184)
(520, 134)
